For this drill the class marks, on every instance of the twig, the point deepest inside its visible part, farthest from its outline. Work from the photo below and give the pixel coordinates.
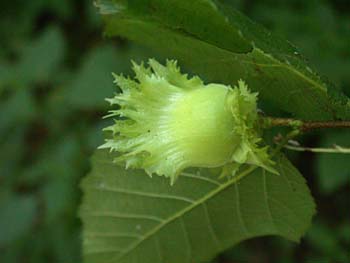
(335, 149)
(282, 141)
(269, 122)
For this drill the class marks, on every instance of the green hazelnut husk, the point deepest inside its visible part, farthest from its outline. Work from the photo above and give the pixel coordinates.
(167, 122)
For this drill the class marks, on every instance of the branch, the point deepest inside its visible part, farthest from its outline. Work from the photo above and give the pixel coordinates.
(303, 126)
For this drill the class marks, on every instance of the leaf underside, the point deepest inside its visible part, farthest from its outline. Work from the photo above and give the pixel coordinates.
(222, 45)
(130, 217)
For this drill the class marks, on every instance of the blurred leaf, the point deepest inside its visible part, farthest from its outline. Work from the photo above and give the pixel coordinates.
(7, 74)
(344, 233)
(17, 215)
(94, 81)
(58, 193)
(225, 48)
(129, 217)
(325, 241)
(17, 20)
(93, 17)
(57, 159)
(19, 108)
(41, 58)
(271, 249)
(94, 136)
(333, 169)
(66, 241)
(11, 154)
(63, 8)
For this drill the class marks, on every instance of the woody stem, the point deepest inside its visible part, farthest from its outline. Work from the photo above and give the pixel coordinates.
(303, 126)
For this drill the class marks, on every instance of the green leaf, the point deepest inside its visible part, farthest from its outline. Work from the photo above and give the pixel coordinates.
(222, 45)
(130, 217)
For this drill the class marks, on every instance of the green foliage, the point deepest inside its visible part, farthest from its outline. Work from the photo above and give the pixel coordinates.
(48, 131)
(238, 48)
(130, 217)
(226, 49)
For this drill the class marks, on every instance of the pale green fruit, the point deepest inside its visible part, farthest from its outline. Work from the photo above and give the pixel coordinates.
(168, 122)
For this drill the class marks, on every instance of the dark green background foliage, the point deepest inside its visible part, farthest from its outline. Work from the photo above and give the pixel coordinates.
(54, 73)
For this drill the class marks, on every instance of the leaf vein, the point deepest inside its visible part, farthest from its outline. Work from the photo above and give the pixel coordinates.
(112, 235)
(210, 226)
(266, 196)
(144, 194)
(124, 216)
(239, 212)
(194, 176)
(188, 243)
(105, 251)
(159, 251)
